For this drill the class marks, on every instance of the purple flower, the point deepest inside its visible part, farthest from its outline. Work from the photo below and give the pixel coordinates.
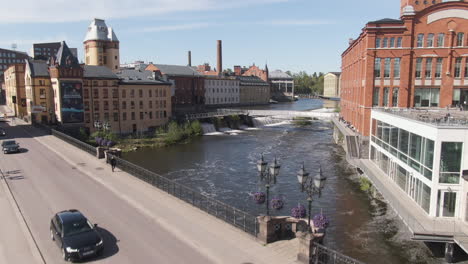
(110, 143)
(277, 203)
(298, 212)
(104, 142)
(259, 197)
(321, 221)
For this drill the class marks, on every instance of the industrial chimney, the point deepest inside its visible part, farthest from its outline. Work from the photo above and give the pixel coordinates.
(189, 58)
(219, 67)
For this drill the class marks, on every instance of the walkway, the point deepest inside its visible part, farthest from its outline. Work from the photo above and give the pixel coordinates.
(219, 241)
(320, 114)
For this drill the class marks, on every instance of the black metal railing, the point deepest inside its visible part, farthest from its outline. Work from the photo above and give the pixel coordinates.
(75, 142)
(227, 213)
(324, 255)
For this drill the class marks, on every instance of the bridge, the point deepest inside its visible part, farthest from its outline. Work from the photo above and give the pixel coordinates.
(280, 114)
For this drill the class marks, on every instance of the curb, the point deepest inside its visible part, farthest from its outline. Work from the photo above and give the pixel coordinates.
(35, 251)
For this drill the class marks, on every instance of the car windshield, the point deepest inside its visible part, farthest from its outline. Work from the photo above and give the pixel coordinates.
(76, 227)
(8, 143)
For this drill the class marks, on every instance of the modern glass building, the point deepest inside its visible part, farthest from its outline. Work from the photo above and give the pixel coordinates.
(424, 153)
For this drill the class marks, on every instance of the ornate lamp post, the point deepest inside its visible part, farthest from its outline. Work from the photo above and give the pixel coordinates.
(312, 186)
(268, 175)
(97, 124)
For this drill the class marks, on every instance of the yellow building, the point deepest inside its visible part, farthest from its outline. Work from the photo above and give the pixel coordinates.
(101, 46)
(39, 92)
(15, 89)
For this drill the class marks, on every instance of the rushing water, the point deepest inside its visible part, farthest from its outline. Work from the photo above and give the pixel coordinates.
(224, 167)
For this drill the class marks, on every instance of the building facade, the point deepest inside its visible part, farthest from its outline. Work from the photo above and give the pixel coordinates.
(331, 85)
(415, 61)
(39, 92)
(221, 91)
(43, 51)
(253, 91)
(15, 89)
(425, 155)
(282, 85)
(102, 46)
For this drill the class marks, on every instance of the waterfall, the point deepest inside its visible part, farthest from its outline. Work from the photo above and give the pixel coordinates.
(208, 128)
(264, 121)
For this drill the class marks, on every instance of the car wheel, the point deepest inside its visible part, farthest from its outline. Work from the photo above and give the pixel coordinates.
(64, 254)
(52, 235)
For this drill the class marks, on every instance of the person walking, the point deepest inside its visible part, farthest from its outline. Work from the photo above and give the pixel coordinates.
(113, 163)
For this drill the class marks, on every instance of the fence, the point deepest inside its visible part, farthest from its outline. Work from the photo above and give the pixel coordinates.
(324, 255)
(227, 213)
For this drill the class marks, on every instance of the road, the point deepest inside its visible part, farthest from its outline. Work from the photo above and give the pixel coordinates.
(43, 183)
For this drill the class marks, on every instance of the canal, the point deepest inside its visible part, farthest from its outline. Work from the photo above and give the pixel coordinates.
(224, 167)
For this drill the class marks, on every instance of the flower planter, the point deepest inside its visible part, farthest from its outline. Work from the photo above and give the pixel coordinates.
(321, 221)
(277, 203)
(259, 197)
(298, 212)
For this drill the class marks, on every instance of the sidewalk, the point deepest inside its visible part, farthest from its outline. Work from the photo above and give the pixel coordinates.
(214, 238)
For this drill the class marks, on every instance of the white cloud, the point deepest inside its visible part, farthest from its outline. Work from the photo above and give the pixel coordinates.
(27, 11)
(175, 27)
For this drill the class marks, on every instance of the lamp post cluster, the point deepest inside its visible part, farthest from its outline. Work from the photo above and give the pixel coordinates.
(104, 125)
(312, 186)
(268, 175)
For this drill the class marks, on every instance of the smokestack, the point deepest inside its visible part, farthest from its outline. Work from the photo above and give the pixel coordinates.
(189, 58)
(219, 67)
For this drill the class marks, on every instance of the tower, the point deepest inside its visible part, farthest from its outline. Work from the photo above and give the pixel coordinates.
(418, 5)
(101, 46)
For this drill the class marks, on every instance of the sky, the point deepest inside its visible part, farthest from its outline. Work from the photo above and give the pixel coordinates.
(294, 35)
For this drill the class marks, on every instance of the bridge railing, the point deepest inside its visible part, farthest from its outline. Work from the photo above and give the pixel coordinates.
(227, 213)
(219, 112)
(324, 255)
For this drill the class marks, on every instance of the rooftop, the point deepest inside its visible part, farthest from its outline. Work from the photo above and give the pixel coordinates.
(387, 21)
(439, 117)
(37, 68)
(98, 30)
(251, 80)
(102, 72)
(177, 70)
(139, 77)
(279, 74)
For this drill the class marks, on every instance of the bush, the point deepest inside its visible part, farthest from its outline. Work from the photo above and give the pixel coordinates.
(196, 128)
(365, 184)
(174, 133)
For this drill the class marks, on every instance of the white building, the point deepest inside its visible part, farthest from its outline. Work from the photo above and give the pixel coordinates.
(282, 84)
(221, 91)
(424, 152)
(331, 84)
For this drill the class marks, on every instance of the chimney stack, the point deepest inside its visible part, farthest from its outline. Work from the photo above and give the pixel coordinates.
(219, 67)
(189, 58)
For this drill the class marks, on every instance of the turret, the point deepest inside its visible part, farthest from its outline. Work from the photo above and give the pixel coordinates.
(101, 46)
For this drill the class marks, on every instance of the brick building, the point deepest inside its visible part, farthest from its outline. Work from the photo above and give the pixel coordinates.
(419, 60)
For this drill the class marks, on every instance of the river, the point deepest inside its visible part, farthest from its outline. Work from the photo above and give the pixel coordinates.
(224, 167)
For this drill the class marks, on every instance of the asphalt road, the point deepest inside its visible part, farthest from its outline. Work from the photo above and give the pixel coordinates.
(43, 184)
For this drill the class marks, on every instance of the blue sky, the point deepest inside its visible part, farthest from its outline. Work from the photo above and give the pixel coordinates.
(296, 35)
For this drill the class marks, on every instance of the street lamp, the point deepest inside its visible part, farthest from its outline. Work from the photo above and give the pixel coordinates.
(268, 175)
(104, 125)
(312, 186)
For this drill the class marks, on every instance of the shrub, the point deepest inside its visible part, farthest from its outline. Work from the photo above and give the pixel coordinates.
(196, 128)
(365, 184)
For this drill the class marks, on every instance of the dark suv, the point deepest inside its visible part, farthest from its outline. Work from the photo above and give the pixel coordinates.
(9, 146)
(75, 235)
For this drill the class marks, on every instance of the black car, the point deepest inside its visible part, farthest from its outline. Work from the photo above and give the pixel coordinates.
(75, 235)
(9, 146)
(2, 132)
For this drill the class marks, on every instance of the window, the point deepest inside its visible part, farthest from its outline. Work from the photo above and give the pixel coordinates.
(85, 93)
(428, 68)
(124, 116)
(141, 104)
(377, 43)
(106, 116)
(392, 42)
(96, 106)
(375, 98)
(96, 93)
(141, 115)
(151, 115)
(396, 67)
(430, 40)
(438, 70)
(466, 69)
(420, 41)
(106, 105)
(86, 106)
(132, 105)
(384, 43)
(440, 39)
(115, 105)
(133, 115)
(150, 93)
(116, 116)
(124, 93)
(426, 97)
(386, 96)
(150, 104)
(115, 93)
(124, 105)
(460, 38)
(105, 93)
(377, 67)
(450, 162)
(387, 68)
(132, 93)
(140, 93)
(457, 71)
(395, 97)
(418, 67)
(42, 93)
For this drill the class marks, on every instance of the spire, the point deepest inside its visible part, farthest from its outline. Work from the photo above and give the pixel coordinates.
(65, 57)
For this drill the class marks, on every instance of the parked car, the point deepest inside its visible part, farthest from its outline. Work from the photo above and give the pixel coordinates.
(75, 235)
(9, 146)
(2, 132)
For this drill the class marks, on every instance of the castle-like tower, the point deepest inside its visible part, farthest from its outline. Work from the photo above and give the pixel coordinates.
(419, 5)
(101, 46)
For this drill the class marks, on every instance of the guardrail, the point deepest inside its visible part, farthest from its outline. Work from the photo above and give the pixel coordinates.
(324, 255)
(75, 142)
(227, 213)
(219, 112)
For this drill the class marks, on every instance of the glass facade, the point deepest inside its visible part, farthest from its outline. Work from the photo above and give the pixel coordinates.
(413, 150)
(450, 162)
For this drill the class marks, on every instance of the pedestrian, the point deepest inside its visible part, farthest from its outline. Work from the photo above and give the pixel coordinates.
(113, 163)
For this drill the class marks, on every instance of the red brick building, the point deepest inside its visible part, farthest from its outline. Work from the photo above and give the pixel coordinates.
(419, 60)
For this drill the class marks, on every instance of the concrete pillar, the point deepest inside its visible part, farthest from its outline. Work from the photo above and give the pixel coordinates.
(449, 252)
(100, 152)
(307, 249)
(266, 229)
